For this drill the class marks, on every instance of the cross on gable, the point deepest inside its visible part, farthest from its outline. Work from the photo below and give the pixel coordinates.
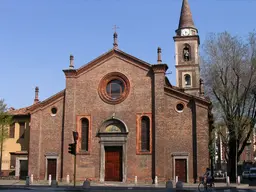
(115, 28)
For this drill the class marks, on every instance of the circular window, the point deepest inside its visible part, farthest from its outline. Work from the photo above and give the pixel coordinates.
(114, 88)
(180, 107)
(54, 111)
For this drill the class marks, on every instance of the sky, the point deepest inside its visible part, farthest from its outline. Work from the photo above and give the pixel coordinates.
(38, 36)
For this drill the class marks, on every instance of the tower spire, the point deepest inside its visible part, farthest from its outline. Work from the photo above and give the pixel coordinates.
(186, 20)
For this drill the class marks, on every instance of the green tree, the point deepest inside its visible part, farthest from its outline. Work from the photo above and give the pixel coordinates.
(229, 72)
(5, 121)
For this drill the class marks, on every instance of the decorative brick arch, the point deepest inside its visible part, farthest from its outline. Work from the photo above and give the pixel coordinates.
(113, 121)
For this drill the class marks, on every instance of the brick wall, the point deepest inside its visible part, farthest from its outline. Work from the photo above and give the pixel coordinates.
(45, 138)
(86, 101)
(173, 129)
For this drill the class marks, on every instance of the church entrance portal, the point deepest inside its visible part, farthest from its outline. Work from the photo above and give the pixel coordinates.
(113, 163)
(113, 135)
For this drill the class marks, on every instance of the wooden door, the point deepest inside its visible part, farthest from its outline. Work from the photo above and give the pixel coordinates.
(113, 163)
(181, 169)
(51, 168)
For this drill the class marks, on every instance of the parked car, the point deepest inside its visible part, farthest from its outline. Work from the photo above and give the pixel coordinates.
(245, 174)
(252, 173)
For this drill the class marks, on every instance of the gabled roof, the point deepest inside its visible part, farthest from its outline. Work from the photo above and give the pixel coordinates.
(21, 111)
(168, 86)
(109, 54)
(29, 109)
(178, 91)
(46, 101)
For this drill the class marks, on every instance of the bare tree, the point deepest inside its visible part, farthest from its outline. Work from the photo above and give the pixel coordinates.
(229, 70)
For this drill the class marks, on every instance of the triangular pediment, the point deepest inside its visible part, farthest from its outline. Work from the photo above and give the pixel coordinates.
(110, 54)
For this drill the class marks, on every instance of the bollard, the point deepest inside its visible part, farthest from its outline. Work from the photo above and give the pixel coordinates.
(176, 179)
(31, 178)
(68, 179)
(27, 180)
(169, 186)
(135, 180)
(86, 184)
(238, 180)
(54, 183)
(50, 180)
(227, 180)
(156, 181)
(179, 186)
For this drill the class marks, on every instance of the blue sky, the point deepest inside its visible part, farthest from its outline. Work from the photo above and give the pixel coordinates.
(37, 36)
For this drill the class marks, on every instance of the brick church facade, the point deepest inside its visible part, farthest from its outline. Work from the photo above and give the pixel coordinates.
(130, 120)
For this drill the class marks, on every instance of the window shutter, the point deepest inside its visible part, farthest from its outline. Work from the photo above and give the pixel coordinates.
(12, 131)
(22, 129)
(85, 134)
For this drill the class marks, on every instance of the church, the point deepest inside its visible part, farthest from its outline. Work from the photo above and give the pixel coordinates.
(131, 121)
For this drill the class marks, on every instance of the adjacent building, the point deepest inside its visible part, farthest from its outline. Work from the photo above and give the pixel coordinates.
(248, 156)
(15, 147)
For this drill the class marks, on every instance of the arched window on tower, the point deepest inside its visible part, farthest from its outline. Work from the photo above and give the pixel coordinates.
(145, 133)
(186, 53)
(84, 134)
(187, 78)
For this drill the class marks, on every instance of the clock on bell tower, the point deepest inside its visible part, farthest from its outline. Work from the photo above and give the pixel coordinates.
(187, 52)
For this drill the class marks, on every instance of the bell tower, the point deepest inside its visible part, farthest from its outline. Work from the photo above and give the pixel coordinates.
(187, 52)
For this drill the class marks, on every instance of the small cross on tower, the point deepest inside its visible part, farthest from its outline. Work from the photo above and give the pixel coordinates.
(115, 37)
(115, 28)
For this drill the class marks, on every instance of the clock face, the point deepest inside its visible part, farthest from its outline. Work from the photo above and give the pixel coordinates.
(185, 32)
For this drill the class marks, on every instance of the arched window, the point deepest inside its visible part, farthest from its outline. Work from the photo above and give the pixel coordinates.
(186, 53)
(187, 80)
(84, 134)
(145, 133)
